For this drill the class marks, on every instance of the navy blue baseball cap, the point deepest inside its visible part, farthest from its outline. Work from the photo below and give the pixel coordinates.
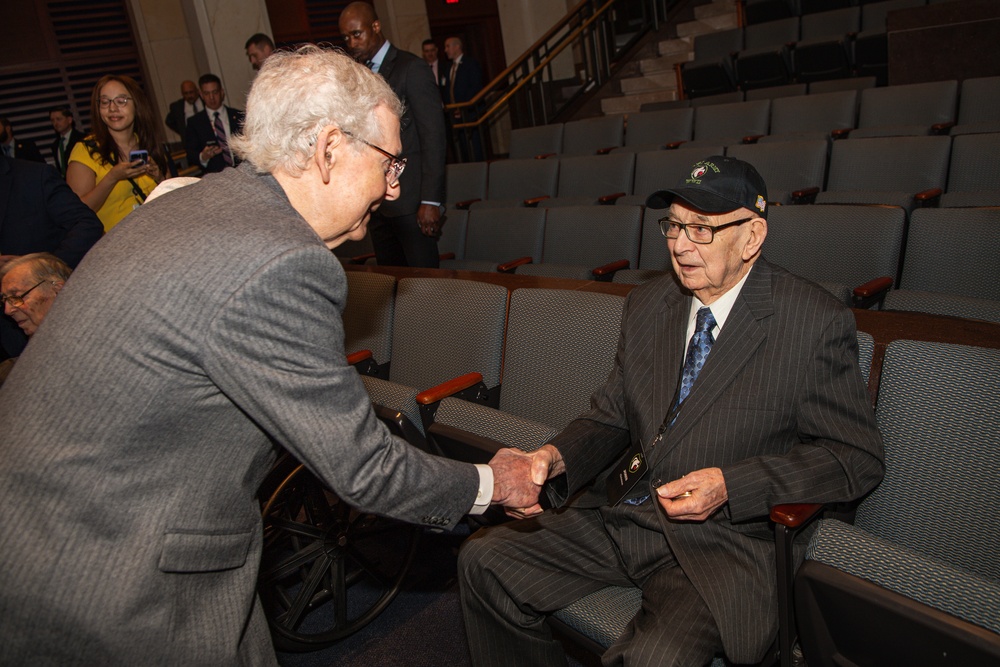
(717, 185)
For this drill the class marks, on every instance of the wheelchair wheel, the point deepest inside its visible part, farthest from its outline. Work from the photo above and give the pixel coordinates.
(327, 570)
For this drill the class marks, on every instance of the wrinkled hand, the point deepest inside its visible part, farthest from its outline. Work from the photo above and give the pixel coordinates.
(545, 463)
(429, 219)
(708, 493)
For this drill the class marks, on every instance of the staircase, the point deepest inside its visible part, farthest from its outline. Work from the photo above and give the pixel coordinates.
(657, 80)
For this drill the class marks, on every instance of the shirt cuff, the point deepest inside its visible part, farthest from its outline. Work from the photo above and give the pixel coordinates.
(431, 203)
(485, 495)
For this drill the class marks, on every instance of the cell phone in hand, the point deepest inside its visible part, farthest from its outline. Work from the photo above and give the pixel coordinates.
(139, 155)
(211, 142)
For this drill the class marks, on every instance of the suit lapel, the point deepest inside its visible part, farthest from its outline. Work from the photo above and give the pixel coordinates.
(388, 63)
(668, 352)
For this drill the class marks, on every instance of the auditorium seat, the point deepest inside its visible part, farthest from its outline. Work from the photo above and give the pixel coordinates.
(812, 116)
(511, 182)
(762, 11)
(652, 130)
(837, 85)
(654, 257)
(823, 52)
(950, 265)
(655, 170)
(367, 317)
(840, 247)
(528, 142)
(979, 106)
(765, 59)
(498, 235)
(560, 346)
(870, 49)
(729, 124)
(974, 171)
(465, 181)
(442, 329)
(711, 72)
(774, 92)
(794, 171)
(588, 242)
(719, 98)
(592, 179)
(895, 171)
(451, 243)
(910, 110)
(590, 135)
(916, 579)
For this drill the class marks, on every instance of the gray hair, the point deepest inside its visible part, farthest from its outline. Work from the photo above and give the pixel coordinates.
(44, 266)
(297, 93)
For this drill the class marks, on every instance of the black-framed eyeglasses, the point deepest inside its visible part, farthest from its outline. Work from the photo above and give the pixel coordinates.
(695, 231)
(396, 164)
(119, 101)
(17, 300)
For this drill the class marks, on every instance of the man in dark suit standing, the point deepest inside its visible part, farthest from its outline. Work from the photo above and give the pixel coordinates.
(208, 133)
(39, 213)
(67, 136)
(404, 232)
(439, 67)
(463, 80)
(735, 388)
(22, 149)
(200, 336)
(183, 109)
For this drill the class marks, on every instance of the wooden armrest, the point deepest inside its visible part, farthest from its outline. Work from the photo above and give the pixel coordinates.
(533, 202)
(449, 388)
(674, 144)
(941, 128)
(840, 133)
(610, 199)
(752, 138)
(545, 156)
(805, 195)
(508, 267)
(796, 515)
(465, 204)
(446, 255)
(605, 151)
(359, 356)
(871, 292)
(361, 259)
(928, 197)
(609, 269)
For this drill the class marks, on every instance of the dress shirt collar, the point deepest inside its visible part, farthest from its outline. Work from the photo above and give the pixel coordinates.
(380, 56)
(721, 308)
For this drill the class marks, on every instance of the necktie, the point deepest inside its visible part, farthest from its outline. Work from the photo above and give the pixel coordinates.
(220, 134)
(370, 65)
(62, 154)
(451, 81)
(698, 349)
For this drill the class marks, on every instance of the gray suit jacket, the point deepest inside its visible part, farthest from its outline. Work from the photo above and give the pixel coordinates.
(422, 129)
(140, 421)
(779, 406)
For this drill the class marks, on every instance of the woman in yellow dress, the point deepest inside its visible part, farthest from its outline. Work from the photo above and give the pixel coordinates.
(100, 170)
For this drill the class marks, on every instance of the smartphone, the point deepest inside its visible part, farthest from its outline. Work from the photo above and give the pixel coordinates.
(211, 142)
(139, 155)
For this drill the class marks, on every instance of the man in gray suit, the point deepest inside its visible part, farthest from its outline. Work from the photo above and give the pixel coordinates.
(204, 332)
(764, 405)
(405, 232)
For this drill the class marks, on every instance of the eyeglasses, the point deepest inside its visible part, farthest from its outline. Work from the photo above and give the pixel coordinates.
(17, 300)
(119, 101)
(696, 232)
(396, 163)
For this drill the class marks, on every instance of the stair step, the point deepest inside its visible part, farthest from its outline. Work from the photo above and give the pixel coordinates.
(668, 46)
(631, 103)
(706, 25)
(714, 9)
(649, 83)
(650, 65)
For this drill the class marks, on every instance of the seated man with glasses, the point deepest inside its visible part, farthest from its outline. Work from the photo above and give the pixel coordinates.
(28, 286)
(193, 344)
(735, 387)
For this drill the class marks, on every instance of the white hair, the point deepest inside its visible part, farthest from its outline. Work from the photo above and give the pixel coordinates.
(297, 93)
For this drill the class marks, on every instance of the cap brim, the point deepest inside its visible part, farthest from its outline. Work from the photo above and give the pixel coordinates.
(699, 199)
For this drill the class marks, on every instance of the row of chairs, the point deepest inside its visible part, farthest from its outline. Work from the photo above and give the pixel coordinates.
(855, 252)
(762, 11)
(910, 110)
(837, 43)
(557, 345)
(899, 171)
(769, 93)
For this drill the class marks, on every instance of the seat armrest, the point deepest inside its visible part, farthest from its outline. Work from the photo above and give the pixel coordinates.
(841, 133)
(928, 198)
(364, 363)
(872, 292)
(674, 144)
(361, 259)
(795, 515)
(465, 204)
(534, 201)
(610, 199)
(508, 267)
(446, 255)
(788, 521)
(941, 128)
(752, 138)
(545, 156)
(805, 195)
(606, 150)
(449, 388)
(605, 272)
(359, 356)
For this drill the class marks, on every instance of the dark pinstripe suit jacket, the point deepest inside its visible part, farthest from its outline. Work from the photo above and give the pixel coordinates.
(779, 406)
(142, 417)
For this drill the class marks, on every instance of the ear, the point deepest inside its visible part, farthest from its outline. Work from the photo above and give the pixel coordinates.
(758, 232)
(329, 139)
(57, 285)
(376, 27)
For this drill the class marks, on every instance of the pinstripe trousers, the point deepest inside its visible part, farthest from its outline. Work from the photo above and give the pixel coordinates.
(514, 574)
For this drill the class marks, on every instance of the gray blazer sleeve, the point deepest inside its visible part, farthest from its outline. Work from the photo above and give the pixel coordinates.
(294, 381)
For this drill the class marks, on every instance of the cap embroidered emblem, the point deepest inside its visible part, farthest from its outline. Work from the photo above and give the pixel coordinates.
(698, 172)
(761, 204)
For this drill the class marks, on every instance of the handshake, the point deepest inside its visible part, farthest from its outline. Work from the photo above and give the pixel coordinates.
(518, 478)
